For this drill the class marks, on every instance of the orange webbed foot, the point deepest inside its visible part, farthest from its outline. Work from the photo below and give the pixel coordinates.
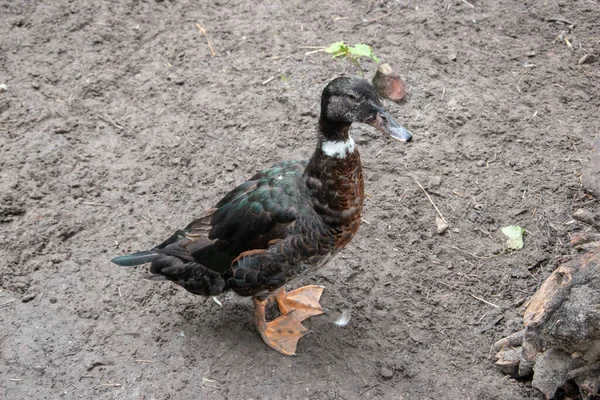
(302, 303)
(281, 334)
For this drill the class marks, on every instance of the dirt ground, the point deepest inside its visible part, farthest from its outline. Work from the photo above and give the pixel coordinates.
(117, 126)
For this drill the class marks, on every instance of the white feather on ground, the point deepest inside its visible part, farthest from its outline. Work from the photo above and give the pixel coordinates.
(344, 319)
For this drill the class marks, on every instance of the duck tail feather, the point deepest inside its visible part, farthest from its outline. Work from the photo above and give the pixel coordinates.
(156, 278)
(130, 260)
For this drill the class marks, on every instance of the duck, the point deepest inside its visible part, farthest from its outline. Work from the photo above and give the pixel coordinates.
(284, 222)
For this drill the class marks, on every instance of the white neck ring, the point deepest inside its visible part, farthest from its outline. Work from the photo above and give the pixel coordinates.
(338, 150)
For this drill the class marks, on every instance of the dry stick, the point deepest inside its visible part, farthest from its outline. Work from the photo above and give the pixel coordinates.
(212, 51)
(7, 302)
(187, 138)
(485, 301)
(308, 53)
(480, 257)
(466, 292)
(370, 21)
(369, 388)
(91, 203)
(431, 201)
(469, 4)
(558, 19)
(105, 118)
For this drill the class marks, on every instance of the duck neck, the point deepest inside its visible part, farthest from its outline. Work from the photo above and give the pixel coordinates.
(334, 176)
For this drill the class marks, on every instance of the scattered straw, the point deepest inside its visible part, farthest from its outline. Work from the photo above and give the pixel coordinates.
(212, 51)
(431, 201)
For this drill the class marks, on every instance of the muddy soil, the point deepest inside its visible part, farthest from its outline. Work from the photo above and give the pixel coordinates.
(117, 126)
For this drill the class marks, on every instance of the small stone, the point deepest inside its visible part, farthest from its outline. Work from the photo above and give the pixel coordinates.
(386, 373)
(35, 85)
(36, 195)
(28, 297)
(588, 59)
(57, 258)
(76, 193)
(442, 225)
(586, 216)
(434, 182)
(388, 84)
(480, 163)
(416, 335)
(61, 128)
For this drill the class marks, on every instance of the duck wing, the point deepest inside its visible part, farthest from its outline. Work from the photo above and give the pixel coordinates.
(247, 218)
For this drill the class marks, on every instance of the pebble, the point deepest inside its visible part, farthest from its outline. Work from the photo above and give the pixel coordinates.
(434, 182)
(442, 226)
(388, 83)
(386, 373)
(28, 297)
(588, 59)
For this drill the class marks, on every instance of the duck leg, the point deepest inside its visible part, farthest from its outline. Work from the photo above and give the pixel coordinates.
(302, 303)
(281, 334)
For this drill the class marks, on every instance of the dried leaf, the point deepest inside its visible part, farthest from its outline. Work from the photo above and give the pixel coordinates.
(515, 236)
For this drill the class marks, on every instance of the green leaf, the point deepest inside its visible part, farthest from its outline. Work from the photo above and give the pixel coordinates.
(363, 50)
(338, 49)
(515, 236)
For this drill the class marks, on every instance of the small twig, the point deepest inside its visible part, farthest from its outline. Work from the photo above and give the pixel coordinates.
(212, 51)
(143, 361)
(15, 379)
(485, 301)
(105, 118)
(479, 257)
(379, 152)
(431, 201)
(7, 302)
(109, 384)
(187, 138)
(370, 21)
(268, 80)
(469, 4)
(91, 203)
(558, 19)
(369, 388)
(308, 53)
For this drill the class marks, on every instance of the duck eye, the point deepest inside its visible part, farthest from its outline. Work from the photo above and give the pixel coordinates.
(353, 96)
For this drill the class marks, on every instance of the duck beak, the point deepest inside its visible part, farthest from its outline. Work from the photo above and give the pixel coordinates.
(384, 122)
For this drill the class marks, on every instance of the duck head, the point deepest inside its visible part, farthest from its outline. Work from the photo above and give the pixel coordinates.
(346, 100)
